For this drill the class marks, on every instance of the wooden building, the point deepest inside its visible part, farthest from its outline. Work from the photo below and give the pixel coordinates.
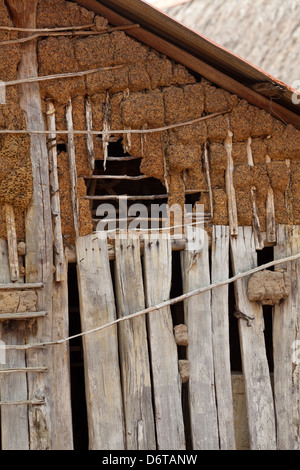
(106, 99)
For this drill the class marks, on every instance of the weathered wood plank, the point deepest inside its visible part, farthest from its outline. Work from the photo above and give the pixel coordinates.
(260, 407)
(12, 243)
(101, 358)
(163, 349)
(14, 420)
(72, 165)
(259, 242)
(270, 217)
(89, 137)
(286, 344)
(58, 246)
(60, 362)
(21, 316)
(38, 227)
(135, 367)
(220, 327)
(197, 311)
(232, 208)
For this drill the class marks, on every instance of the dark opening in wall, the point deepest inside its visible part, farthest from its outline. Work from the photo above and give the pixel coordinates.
(78, 399)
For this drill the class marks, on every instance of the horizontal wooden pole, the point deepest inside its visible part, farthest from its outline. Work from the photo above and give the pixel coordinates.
(122, 159)
(16, 286)
(46, 30)
(25, 402)
(115, 177)
(24, 369)
(21, 316)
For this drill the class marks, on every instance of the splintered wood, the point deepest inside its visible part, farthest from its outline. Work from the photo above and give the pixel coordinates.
(197, 312)
(72, 165)
(164, 358)
(101, 358)
(135, 365)
(232, 208)
(259, 397)
(286, 340)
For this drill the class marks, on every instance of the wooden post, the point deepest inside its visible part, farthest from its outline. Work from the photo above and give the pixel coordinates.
(220, 327)
(13, 387)
(197, 311)
(58, 246)
(259, 397)
(259, 243)
(60, 358)
(72, 165)
(89, 137)
(270, 217)
(101, 358)
(135, 367)
(286, 342)
(12, 243)
(232, 209)
(163, 349)
(39, 248)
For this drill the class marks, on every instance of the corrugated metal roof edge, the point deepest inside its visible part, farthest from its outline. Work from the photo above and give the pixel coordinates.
(177, 37)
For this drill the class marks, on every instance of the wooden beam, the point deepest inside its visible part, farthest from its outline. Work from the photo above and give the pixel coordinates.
(21, 316)
(12, 243)
(259, 396)
(58, 246)
(163, 349)
(220, 337)
(198, 318)
(72, 165)
(134, 356)
(38, 230)
(89, 137)
(101, 356)
(232, 209)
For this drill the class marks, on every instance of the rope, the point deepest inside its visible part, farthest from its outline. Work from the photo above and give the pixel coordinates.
(161, 305)
(132, 131)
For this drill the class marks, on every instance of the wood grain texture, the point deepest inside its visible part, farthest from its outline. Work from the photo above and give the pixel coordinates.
(101, 358)
(133, 344)
(163, 349)
(259, 397)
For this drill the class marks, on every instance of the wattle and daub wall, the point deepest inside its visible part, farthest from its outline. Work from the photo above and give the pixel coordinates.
(149, 91)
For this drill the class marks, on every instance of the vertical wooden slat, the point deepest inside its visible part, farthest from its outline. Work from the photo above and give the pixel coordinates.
(259, 396)
(89, 137)
(270, 217)
(101, 359)
(135, 367)
(286, 344)
(38, 229)
(58, 246)
(163, 349)
(12, 243)
(72, 166)
(203, 412)
(60, 361)
(230, 191)
(13, 387)
(220, 327)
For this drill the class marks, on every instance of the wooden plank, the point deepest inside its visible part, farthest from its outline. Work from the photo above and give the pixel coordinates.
(23, 369)
(197, 312)
(232, 209)
(89, 137)
(270, 217)
(60, 363)
(163, 349)
(259, 242)
(19, 286)
(38, 228)
(220, 327)
(72, 165)
(14, 421)
(135, 367)
(101, 358)
(58, 246)
(259, 396)
(12, 243)
(286, 320)
(21, 316)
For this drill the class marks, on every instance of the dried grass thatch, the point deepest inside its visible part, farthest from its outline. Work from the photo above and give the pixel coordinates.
(265, 33)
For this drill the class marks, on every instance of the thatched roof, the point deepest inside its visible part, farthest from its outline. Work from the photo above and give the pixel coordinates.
(265, 33)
